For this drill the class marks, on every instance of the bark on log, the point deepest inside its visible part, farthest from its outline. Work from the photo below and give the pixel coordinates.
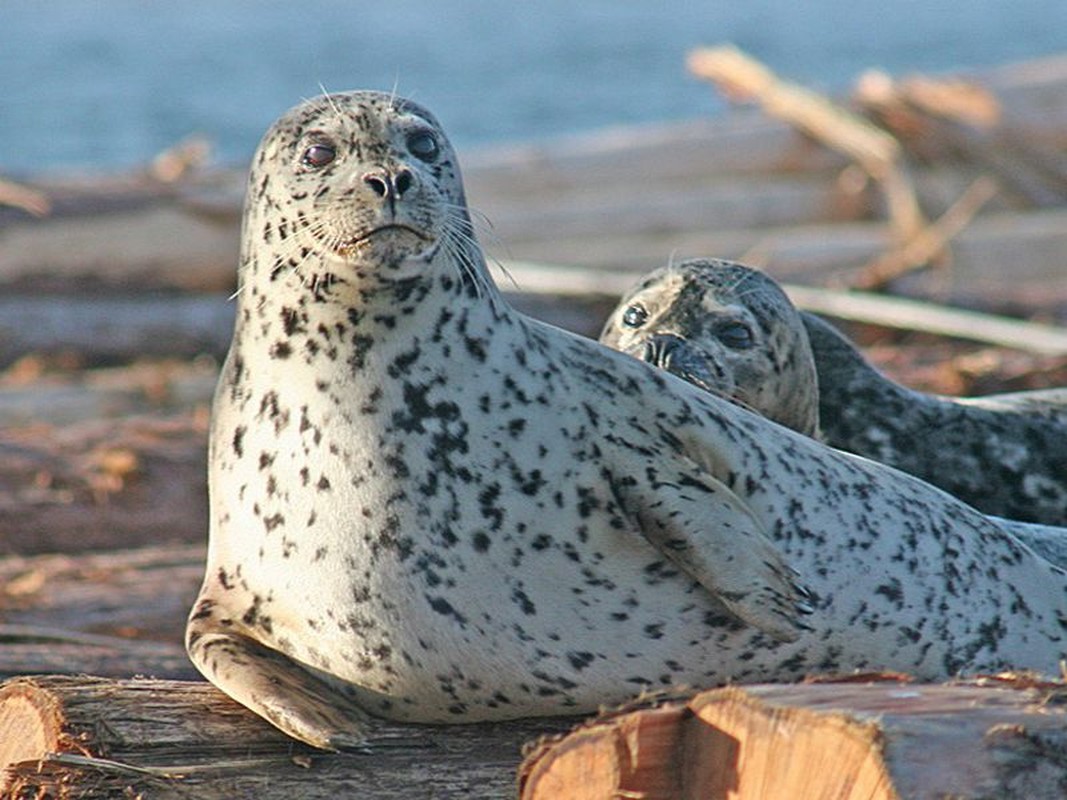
(103, 484)
(881, 741)
(67, 738)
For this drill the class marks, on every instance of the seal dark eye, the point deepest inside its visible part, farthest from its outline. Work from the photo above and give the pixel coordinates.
(634, 316)
(736, 335)
(318, 155)
(423, 145)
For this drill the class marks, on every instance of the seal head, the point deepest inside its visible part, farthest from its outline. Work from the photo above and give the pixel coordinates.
(1002, 454)
(726, 328)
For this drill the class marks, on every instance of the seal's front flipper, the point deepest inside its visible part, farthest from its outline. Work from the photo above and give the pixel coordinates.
(278, 689)
(708, 532)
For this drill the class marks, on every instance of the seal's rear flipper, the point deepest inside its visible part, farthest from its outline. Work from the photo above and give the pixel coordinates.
(278, 689)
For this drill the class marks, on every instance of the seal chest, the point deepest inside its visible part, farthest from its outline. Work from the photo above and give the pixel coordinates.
(428, 507)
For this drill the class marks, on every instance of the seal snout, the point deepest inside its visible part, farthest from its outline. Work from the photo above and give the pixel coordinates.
(389, 184)
(678, 357)
(662, 348)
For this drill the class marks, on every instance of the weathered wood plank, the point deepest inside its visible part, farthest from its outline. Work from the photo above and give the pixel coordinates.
(1014, 258)
(115, 327)
(31, 395)
(136, 594)
(36, 651)
(103, 329)
(103, 484)
(69, 738)
(121, 255)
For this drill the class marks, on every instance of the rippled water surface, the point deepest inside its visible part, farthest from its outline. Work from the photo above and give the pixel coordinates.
(110, 83)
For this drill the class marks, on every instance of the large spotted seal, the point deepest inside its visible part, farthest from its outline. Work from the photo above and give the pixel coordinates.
(428, 507)
(1004, 454)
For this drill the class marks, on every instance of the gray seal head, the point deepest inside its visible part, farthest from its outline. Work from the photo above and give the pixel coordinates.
(428, 507)
(726, 328)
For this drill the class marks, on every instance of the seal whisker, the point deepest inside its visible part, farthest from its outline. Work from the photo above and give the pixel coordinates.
(333, 106)
(461, 243)
(485, 227)
(480, 221)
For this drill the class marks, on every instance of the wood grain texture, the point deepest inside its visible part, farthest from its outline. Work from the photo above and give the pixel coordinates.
(95, 738)
(847, 741)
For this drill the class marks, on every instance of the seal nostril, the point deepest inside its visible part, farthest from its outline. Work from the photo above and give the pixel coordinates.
(378, 184)
(403, 181)
(651, 354)
(658, 350)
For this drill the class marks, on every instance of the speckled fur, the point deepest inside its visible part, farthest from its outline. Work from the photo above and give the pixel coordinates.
(428, 507)
(1004, 454)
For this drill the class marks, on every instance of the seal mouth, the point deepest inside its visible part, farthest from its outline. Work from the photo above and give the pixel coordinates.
(393, 231)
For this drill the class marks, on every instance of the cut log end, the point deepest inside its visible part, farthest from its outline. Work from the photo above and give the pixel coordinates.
(721, 744)
(31, 726)
(841, 740)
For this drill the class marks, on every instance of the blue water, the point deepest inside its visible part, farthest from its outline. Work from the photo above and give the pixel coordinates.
(108, 84)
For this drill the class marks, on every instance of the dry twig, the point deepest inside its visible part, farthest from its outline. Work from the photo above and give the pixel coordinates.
(739, 76)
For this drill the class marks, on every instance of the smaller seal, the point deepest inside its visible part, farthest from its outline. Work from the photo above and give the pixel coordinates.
(727, 329)
(1005, 454)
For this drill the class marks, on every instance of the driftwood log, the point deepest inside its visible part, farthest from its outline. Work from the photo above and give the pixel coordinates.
(879, 741)
(624, 199)
(115, 614)
(102, 330)
(879, 154)
(94, 268)
(67, 738)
